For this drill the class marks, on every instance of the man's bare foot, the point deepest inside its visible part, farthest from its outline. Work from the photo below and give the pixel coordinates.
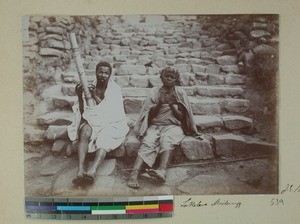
(89, 177)
(133, 182)
(92, 173)
(159, 174)
(78, 180)
(81, 173)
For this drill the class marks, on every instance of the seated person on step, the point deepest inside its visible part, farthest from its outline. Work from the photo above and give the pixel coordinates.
(166, 117)
(100, 128)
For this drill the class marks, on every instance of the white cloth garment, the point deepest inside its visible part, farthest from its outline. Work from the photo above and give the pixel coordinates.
(107, 120)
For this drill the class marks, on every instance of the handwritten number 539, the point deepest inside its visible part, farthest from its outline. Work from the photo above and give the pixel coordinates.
(276, 201)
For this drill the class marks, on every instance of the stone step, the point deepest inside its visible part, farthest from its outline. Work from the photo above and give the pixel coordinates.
(186, 79)
(200, 106)
(57, 124)
(73, 77)
(56, 118)
(208, 91)
(210, 147)
(152, 78)
(203, 122)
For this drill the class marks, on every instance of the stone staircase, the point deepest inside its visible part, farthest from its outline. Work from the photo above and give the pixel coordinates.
(213, 56)
(209, 73)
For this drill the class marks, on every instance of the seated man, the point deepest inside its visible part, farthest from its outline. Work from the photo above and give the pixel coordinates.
(166, 117)
(100, 128)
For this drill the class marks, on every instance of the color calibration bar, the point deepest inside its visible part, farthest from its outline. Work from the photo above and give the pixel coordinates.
(99, 208)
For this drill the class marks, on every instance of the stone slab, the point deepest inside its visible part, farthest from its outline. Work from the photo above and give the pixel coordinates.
(55, 29)
(103, 186)
(56, 132)
(176, 176)
(63, 185)
(186, 79)
(264, 49)
(55, 44)
(215, 79)
(215, 183)
(68, 89)
(204, 107)
(33, 135)
(51, 52)
(237, 105)
(198, 68)
(122, 81)
(52, 165)
(257, 146)
(58, 146)
(56, 118)
(133, 105)
(131, 69)
(205, 121)
(259, 33)
(219, 91)
(226, 60)
(235, 79)
(139, 81)
(195, 149)
(229, 144)
(183, 68)
(38, 187)
(237, 122)
(231, 68)
(135, 92)
(61, 102)
(31, 155)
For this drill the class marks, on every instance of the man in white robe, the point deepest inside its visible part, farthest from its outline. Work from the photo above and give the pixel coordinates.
(100, 128)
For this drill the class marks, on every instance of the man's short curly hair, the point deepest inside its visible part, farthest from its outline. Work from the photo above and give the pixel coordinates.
(103, 64)
(169, 70)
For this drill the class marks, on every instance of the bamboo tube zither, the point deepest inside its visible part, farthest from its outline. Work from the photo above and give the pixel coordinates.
(81, 72)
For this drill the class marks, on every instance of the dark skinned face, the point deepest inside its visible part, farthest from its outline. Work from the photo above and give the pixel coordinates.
(103, 74)
(169, 79)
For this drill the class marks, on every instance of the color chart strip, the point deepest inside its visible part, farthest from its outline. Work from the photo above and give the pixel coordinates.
(99, 208)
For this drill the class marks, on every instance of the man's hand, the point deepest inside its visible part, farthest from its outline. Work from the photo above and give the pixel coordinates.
(92, 90)
(167, 98)
(171, 98)
(78, 90)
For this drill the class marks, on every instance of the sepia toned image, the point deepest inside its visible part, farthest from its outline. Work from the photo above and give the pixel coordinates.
(150, 105)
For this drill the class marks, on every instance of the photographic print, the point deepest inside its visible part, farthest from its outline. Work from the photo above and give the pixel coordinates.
(125, 105)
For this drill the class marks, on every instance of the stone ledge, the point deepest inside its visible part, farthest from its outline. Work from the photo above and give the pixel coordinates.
(260, 147)
(229, 144)
(237, 122)
(141, 90)
(195, 149)
(226, 145)
(56, 118)
(200, 106)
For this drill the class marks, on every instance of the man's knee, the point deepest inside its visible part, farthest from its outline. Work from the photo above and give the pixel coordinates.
(85, 132)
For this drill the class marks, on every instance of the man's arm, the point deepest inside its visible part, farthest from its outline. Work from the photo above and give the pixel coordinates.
(78, 90)
(92, 90)
(178, 113)
(154, 110)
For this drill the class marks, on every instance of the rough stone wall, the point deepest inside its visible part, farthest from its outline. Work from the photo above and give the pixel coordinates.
(215, 55)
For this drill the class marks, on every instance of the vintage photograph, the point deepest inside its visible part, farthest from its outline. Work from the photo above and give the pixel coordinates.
(126, 105)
